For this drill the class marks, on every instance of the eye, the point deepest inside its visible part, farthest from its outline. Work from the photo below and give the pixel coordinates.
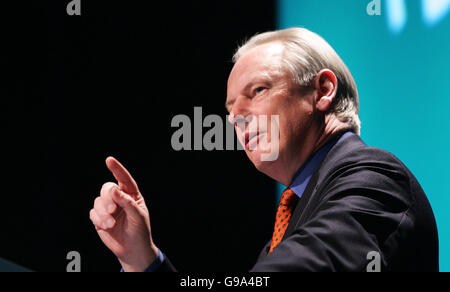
(260, 89)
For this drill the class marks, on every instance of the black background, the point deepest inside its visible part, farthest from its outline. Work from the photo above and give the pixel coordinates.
(76, 89)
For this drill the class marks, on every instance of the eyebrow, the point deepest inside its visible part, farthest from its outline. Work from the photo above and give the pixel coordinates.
(267, 81)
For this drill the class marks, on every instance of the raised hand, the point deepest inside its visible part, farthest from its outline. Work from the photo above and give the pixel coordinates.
(122, 220)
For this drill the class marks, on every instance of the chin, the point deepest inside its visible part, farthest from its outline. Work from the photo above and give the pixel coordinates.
(262, 166)
(273, 169)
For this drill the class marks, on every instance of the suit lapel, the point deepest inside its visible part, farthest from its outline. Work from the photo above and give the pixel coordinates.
(346, 145)
(301, 205)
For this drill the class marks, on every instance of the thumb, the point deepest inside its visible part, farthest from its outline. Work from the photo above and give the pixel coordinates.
(126, 202)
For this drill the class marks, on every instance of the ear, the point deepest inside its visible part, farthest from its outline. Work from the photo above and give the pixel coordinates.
(326, 84)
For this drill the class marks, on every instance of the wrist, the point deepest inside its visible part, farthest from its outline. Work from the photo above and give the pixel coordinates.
(141, 262)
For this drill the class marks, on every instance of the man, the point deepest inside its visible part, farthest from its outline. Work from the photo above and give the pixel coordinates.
(345, 201)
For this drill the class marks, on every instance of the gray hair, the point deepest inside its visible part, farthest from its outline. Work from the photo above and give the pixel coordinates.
(306, 54)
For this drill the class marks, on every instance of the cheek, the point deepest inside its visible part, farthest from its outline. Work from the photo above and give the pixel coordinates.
(296, 119)
(278, 109)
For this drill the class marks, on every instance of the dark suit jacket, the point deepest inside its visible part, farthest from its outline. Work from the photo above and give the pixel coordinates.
(361, 199)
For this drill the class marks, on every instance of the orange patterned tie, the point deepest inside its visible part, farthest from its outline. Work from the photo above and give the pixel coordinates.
(284, 214)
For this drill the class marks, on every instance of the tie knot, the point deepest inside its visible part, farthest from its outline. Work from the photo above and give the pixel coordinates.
(288, 198)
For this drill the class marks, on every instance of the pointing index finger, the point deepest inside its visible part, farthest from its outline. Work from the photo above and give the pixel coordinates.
(123, 177)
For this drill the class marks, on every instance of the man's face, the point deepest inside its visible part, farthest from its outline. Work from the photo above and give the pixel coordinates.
(259, 85)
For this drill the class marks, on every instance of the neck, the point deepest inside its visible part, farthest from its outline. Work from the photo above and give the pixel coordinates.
(333, 127)
(287, 166)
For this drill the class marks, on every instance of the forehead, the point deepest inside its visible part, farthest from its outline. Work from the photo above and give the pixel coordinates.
(261, 60)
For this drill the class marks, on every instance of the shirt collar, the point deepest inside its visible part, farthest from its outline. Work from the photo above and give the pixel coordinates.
(305, 173)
